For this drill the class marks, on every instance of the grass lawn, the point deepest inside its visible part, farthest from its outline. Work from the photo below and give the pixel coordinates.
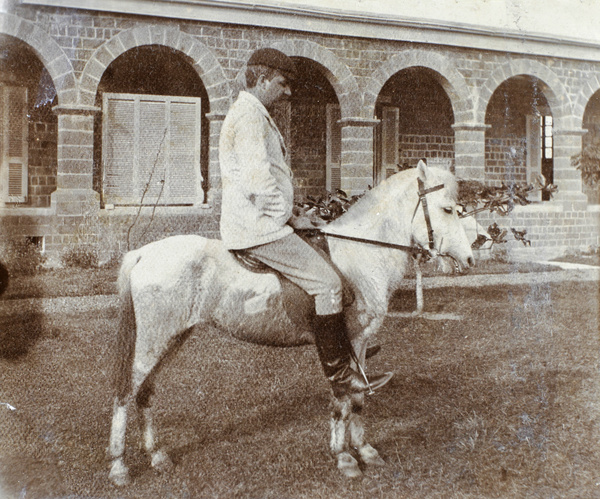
(504, 402)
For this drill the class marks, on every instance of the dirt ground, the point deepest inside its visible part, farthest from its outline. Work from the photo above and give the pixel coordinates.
(502, 400)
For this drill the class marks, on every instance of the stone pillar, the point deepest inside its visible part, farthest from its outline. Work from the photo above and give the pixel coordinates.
(567, 143)
(215, 123)
(357, 154)
(469, 150)
(74, 195)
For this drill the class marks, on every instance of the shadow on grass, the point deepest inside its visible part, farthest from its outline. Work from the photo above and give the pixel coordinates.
(290, 409)
(20, 330)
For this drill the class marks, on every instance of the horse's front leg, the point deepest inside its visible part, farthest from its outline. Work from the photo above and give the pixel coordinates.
(340, 448)
(367, 453)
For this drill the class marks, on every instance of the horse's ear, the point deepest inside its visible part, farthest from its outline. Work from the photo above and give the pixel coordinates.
(422, 170)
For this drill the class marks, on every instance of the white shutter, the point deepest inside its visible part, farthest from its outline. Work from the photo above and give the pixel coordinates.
(534, 150)
(334, 148)
(151, 172)
(389, 141)
(151, 149)
(184, 181)
(13, 144)
(118, 148)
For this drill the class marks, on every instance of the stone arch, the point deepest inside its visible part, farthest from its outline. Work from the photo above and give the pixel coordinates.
(52, 56)
(590, 86)
(554, 91)
(338, 74)
(451, 80)
(205, 63)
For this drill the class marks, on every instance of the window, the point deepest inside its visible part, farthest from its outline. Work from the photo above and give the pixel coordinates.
(151, 150)
(547, 152)
(13, 144)
(546, 134)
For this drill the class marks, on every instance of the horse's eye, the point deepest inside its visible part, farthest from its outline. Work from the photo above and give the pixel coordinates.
(448, 210)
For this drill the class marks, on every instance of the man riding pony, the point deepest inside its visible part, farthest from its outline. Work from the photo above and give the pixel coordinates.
(256, 216)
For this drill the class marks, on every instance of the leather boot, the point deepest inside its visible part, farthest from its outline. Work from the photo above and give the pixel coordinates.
(336, 353)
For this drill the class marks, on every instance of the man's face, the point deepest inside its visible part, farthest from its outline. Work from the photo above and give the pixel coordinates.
(278, 88)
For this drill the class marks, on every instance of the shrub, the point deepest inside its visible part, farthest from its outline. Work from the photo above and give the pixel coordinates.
(21, 256)
(83, 256)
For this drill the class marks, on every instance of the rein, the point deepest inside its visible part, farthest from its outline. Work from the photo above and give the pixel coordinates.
(415, 250)
(411, 249)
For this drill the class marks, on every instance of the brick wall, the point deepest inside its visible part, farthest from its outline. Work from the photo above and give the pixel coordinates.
(505, 160)
(80, 33)
(43, 136)
(415, 147)
(308, 148)
(551, 229)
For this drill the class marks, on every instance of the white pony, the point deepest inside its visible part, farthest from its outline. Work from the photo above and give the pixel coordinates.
(169, 286)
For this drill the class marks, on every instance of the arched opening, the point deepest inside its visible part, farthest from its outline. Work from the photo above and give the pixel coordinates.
(151, 140)
(28, 127)
(309, 125)
(591, 149)
(519, 145)
(416, 120)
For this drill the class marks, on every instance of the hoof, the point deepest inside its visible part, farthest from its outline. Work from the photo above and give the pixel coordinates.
(161, 462)
(119, 475)
(348, 465)
(369, 456)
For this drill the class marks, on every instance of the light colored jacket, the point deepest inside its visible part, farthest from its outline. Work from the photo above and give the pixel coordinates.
(258, 194)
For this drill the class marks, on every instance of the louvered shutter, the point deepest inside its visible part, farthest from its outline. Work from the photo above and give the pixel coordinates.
(151, 171)
(13, 144)
(119, 147)
(389, 141)
(151, 150)
(334, 148)
(184, 183)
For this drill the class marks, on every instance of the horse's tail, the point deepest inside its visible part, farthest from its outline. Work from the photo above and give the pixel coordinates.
(127, 332)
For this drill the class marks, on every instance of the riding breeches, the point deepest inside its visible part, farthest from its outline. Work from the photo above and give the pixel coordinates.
(301, 263)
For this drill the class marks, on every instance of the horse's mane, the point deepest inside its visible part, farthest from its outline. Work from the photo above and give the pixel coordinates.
(397, 186)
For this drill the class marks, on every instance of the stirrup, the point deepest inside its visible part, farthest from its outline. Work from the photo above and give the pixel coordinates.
(377, 381)
(348, 382)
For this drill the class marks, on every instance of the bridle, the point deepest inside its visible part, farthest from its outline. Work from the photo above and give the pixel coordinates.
(415, 249)
(423, 200)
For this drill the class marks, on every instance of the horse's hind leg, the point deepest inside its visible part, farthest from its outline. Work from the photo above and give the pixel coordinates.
(119, 474)
(159, 459)
(138, 396)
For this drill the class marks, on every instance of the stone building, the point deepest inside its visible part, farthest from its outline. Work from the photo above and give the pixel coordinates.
(110, 113)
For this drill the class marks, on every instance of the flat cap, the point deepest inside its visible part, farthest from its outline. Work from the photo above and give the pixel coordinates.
(273, 58)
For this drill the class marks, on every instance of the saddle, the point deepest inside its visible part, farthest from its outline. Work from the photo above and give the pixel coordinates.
(292, 293)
